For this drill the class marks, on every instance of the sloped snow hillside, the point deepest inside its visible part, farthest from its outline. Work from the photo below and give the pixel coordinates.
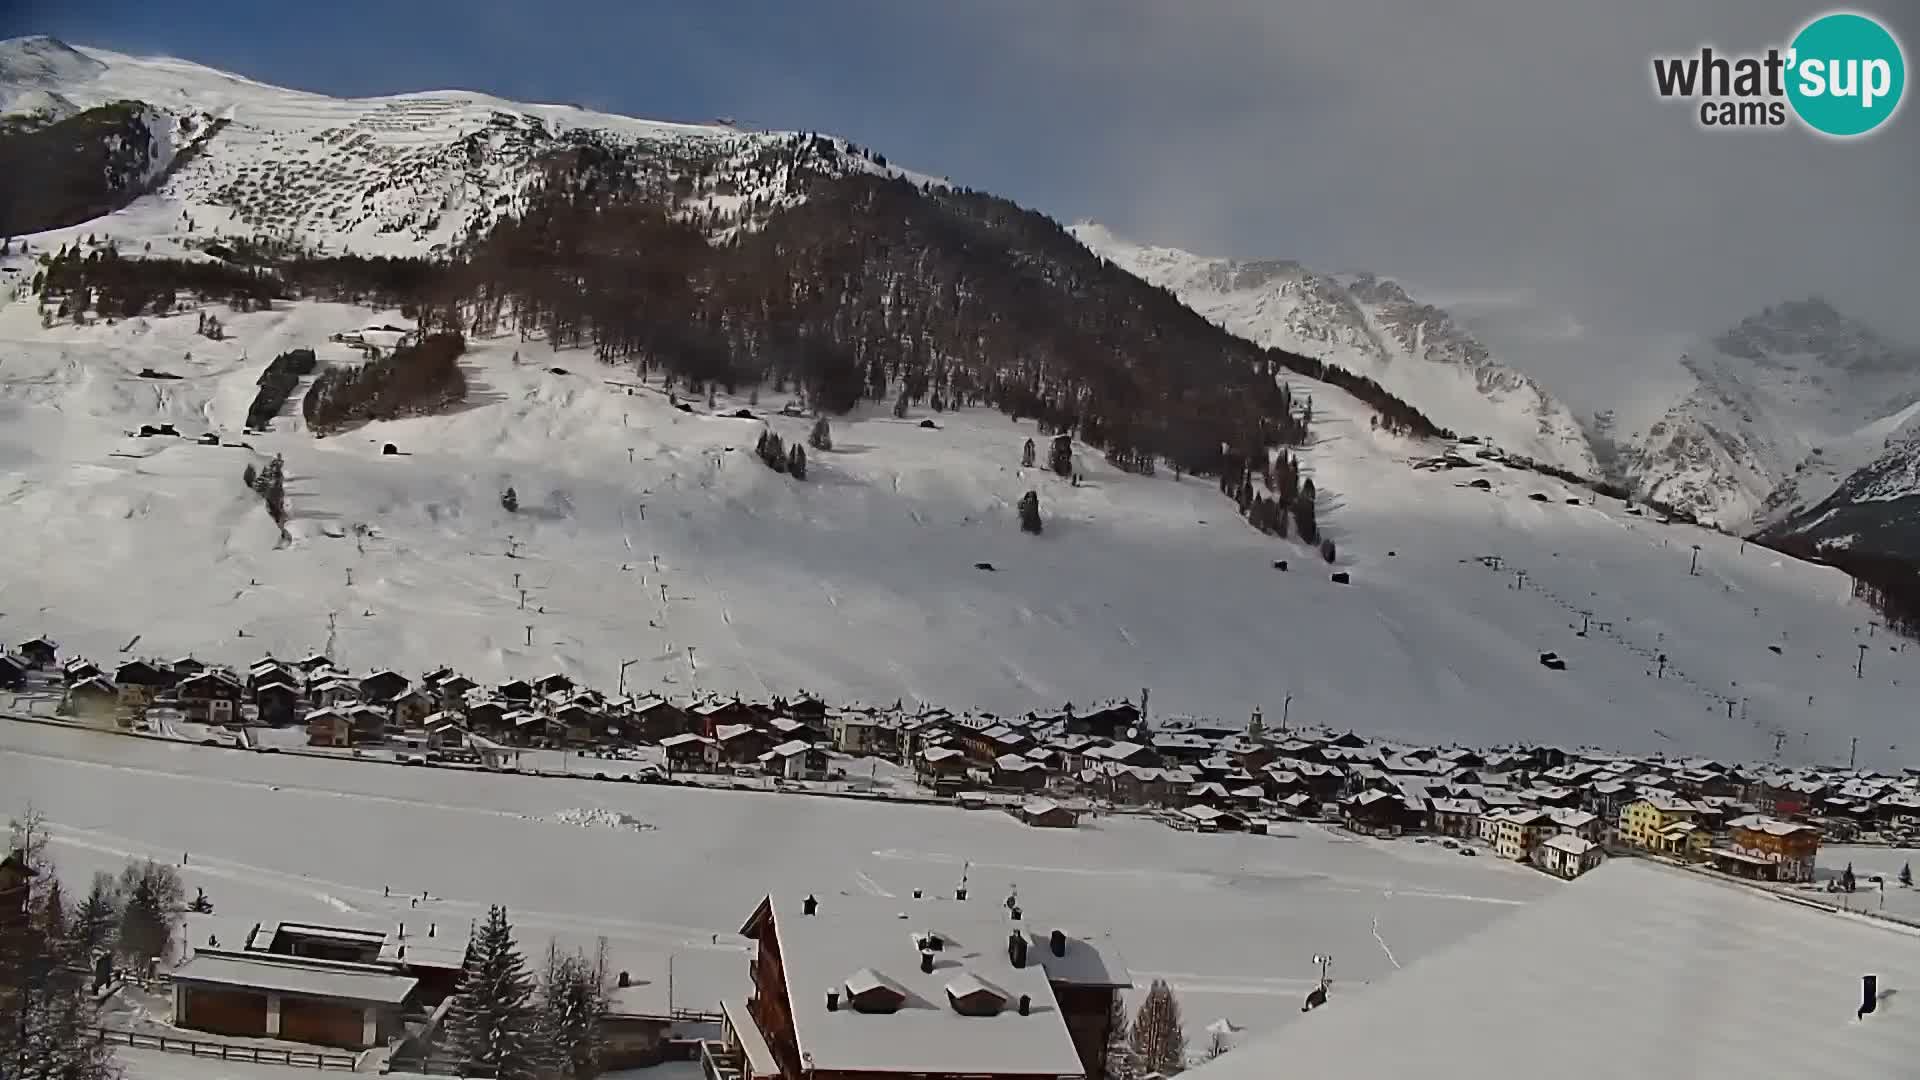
(646, 530)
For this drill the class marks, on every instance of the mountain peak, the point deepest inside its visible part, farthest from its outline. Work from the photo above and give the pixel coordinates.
(1814, 327)
(39, 60)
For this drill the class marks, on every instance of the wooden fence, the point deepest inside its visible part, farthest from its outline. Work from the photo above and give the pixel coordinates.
(302, 1059)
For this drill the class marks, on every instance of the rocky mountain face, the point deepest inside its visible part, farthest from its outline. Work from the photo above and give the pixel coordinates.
(1368, 325)
(1784, 407)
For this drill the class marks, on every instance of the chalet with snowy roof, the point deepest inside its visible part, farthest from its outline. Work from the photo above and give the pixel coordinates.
(77, 668)
(369, 722)
(516, 692)
(1770, 849)
(941, 989)
(269, 670)
(690, 752)
(1182, 746)
(328, 727)
(1455, 817)
(654, 718)
(940, 763)
(1047, 814)
(710, 716)
(92, 700)
(741, 744)
(1107, 722)
(143, 673)
(210, 697)
(345, 985)
(795, 759)
(13, 672)
(277, 702)
(312, 662)
(1376, 810)
(383, 685)
(333, 689)
(40, 652)
(452, 690)
(552, 683)
(1019, 772)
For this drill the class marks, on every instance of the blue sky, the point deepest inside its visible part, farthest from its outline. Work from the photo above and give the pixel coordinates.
(1505, 155)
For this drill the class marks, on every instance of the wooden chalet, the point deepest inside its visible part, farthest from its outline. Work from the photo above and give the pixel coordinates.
(40, 652)
(209, 697)
(278, 703)
(13, 672)
(383, 686)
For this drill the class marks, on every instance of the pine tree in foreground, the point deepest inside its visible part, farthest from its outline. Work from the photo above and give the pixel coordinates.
(1119, 1051)
(797, 462)
(1906, 875)
(1026, 455)
(493, 1024)
(822, 437)
(49, 1023)
(1159, 1043)
(574, 997)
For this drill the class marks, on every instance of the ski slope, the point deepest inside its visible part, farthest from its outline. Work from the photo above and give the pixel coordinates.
(654, 535)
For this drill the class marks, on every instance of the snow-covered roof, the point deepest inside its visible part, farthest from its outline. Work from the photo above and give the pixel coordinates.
(312, 980)
(1571, 844)
(1669, 959)
(855, 943)
(1771, 826)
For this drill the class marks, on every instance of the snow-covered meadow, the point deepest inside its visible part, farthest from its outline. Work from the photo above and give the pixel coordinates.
(1232, 921)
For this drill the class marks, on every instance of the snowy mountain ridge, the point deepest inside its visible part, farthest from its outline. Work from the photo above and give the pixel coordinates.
(1371, 326)
(406, 174)
(1784, 407)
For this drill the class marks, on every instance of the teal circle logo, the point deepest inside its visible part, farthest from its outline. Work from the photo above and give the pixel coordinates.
(1846, 74)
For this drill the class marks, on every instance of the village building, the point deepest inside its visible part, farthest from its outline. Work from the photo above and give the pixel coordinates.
(92, 700)
(1454, 817)
(277, 702)
(1581, 823)
(1518, 833)
(845, 989)
(40, 652)
(796, 759)
(382, 685)
(329, 727)
(1047, 814)
(1376, 810)
(1569, 856)
(1645, 820)
(332, 985)
(13, 672)
(209, 697)
(1771, 849)
(690, 752)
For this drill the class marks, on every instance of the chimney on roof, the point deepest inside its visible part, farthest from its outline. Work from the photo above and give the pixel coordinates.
(1869, 996)
(1057, 941)
(809, 905)
(1015, 912)
(430, 928)
(833, 1001)
(1017, 949)
(1026, 1004)
(936, 943)
(916, 894)
(926, 960)
(625, 980)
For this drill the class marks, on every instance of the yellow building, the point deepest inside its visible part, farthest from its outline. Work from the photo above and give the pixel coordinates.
(1645, 822)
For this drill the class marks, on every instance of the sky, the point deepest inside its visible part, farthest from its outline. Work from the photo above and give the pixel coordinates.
(1506, 157)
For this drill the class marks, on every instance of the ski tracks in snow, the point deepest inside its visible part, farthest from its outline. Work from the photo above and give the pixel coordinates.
(1384, 947)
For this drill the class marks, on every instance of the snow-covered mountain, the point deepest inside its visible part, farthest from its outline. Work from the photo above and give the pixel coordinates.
(1781, 410)
(1370, 326)
(648, 536)
(407, 174)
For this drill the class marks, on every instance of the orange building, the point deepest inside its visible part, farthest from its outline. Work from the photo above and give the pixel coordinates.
(1792, 847)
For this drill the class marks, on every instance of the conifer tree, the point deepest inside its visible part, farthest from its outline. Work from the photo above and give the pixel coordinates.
(797, 462)
(1119, 1051)
(151, 899)
(1026, 456)
(822, 436)
(1060, 457)
(573, 999)
(493, 1023)
(1159, 1042)
(1906, 875)
(900, 406)
(92, 927)
(510, 500)
(1030, 513)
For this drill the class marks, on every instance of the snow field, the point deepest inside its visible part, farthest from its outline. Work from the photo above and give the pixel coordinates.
(1231, 921)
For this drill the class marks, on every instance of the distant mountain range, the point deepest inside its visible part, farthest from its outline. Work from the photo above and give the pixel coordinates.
(1372, 327)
